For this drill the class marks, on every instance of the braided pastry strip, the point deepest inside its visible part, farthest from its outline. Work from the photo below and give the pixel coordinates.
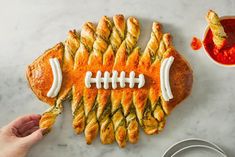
(103, 32)
(118, 95)
(127, 100)
(104, 111)
(219, 35)
(81, 59)
(49, 117)
(141, 97)
(157, 105)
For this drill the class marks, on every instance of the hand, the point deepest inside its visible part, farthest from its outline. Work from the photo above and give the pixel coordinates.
(19, 136)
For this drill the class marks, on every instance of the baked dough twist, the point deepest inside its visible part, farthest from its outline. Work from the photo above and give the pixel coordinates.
(219, 35)
(122, 99)
(81, 58)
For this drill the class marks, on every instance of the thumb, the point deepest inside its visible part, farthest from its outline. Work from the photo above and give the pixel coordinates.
(33, 138)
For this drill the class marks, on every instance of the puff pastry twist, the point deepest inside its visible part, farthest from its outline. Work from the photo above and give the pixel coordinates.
(219, 35)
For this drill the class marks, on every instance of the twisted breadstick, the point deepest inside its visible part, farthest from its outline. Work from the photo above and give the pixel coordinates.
(118, 32)
(103, 31)
(132, 127)
(81, 59)
(103, 99)
(158, 109)
(86, 44)
(164, 48)
(88, 36)
(159, 114)
(48, 118)
(165, 44)
(144, 98)
(219, 36)
(104, 106)
(153, 43)
(133, 32)
(116, 38)
(127, 100)
(70, 46)
(100, 45)
(131, 64)
(106, 126)
(73, 42)
(152, 49)
(150, 53)
(78, 117)
(125, 48)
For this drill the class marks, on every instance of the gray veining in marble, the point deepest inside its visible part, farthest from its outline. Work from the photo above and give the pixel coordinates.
(27, 28)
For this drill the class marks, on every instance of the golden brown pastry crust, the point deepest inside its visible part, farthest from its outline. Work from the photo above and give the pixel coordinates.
(181, 80)
(39, 73)
(115, 114)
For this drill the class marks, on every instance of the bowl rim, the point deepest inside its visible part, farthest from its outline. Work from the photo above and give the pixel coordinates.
(207, 53)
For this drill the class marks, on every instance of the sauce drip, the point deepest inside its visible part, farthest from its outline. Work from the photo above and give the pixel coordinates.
(225, 55)
(196, 43)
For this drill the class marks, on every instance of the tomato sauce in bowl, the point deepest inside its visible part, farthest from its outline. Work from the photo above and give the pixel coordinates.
(225, 55)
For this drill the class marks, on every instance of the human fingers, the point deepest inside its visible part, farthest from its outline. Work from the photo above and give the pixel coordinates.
(27, 126)
(30, 131)
(17, 123)
(33, 138)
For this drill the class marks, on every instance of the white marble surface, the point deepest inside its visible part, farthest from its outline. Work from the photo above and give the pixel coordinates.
(27, 28)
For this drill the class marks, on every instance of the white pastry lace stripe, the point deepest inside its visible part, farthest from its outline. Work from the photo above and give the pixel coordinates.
(57, 77)
(164, 78)
(114, 79)
(59, 72)
(162, 82)
(122, 80)
(167, 79)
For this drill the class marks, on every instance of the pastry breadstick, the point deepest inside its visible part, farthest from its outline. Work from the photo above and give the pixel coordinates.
(81, 59)
(143, 106)
(153, 43)
(73, 42)
(98, 104)
(48, 118)
(159, 112)
(126, 48)
(106, 125)
(127, 100)
(219, 35)
(103, 97)
(118, 32)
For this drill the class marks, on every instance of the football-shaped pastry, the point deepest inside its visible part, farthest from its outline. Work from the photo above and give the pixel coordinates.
(114, 87)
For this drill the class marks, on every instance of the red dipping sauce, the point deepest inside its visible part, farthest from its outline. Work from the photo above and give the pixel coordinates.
(225, 55)
(196, 43)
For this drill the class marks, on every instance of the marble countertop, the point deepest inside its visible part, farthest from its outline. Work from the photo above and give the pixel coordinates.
(29, 27)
